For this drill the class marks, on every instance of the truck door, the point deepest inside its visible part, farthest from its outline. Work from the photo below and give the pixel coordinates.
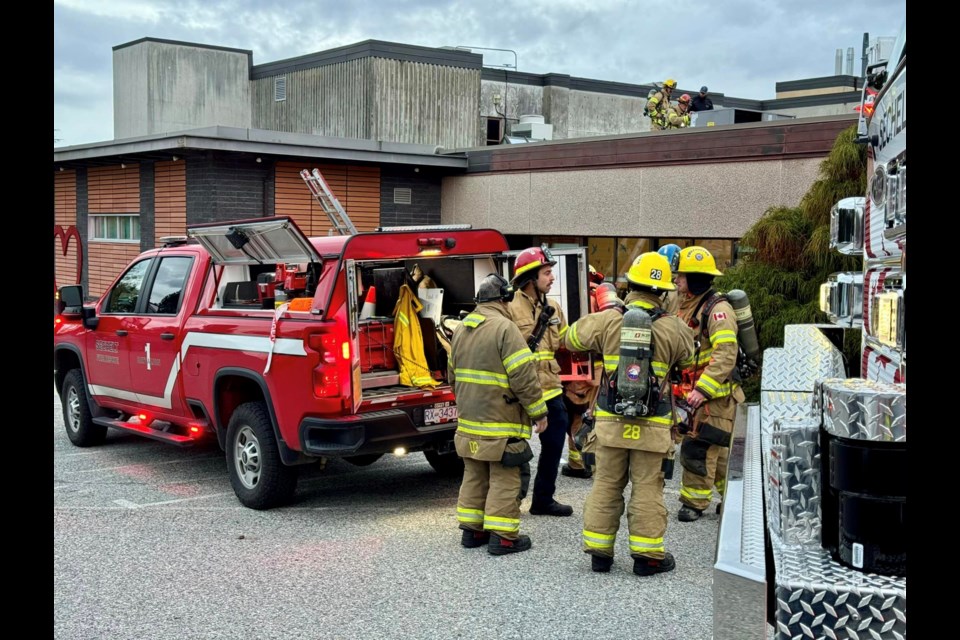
(108, 357)
(155, 333)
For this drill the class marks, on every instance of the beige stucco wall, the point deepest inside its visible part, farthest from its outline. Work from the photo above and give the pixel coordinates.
(719, 200)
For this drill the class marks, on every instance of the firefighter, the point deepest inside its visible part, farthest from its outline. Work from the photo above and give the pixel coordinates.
(678, 115)
(498, 392)
(533, 277)
(658, 103)
(671, 300)
(708, 383)
(632, 448)
(578, 398)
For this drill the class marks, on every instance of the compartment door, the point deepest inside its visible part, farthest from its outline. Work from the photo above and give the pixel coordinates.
(353, 332)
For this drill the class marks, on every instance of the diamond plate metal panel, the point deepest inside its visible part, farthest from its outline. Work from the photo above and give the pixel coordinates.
(775, 405)
(817, 597)
(807, 357)
(794, 480)
(865, 409)
(752, 549)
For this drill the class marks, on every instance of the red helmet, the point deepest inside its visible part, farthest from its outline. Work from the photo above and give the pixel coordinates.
(684, 99)
(595, 276)
(530, 260)
(607, 297)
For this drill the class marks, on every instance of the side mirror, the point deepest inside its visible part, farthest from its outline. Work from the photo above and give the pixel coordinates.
(69, 299)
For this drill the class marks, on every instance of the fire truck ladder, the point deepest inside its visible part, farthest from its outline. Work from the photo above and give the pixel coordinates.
(328, 202)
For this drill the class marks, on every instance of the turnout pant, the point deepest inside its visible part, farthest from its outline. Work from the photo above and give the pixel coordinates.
(551, 448)
(704, 466)
(490, 498)
(646, 513)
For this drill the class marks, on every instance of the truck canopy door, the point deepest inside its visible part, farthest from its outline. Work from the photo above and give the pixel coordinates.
(256, 241)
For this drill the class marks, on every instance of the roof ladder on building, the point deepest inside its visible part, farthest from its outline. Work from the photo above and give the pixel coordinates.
(328, 202)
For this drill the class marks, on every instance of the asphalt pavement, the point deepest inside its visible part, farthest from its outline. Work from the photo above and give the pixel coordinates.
(151, 542)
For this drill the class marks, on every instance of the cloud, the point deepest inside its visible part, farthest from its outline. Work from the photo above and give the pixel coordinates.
(740, 48)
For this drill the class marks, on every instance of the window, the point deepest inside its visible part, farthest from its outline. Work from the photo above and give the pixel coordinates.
(280, 88)
(166, 291)
(115, 228)
(124, 295)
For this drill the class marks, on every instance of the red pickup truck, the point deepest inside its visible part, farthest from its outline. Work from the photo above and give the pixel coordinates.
(194, 340)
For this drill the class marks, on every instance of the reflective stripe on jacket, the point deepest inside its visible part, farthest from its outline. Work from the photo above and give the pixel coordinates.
(717, 359)
(672, 342)
(494, 375)
(408, 342)
(525, 310)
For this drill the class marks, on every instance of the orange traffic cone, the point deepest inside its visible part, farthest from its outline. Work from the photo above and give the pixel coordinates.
(370, 304)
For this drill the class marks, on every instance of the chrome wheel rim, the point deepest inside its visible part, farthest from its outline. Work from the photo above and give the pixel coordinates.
(247, 457)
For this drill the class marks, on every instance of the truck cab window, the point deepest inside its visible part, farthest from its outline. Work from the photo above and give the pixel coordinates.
(166, 291)
(124, 295)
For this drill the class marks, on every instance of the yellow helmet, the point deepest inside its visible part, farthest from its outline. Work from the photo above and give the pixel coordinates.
(670, 83)
(697, 260)
(651, 270)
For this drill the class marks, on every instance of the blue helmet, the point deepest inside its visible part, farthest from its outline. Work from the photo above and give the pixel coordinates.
(672, 253)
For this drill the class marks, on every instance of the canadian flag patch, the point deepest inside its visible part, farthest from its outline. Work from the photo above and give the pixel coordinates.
(720, 315)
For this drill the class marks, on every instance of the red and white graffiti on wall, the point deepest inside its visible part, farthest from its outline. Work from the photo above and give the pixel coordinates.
(66, 235)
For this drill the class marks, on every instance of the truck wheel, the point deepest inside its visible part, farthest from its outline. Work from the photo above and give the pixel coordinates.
(446, 464)
(258, 475)
(76, 412)
(364, 460)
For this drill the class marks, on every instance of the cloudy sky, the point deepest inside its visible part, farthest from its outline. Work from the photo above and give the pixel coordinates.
(741, 48)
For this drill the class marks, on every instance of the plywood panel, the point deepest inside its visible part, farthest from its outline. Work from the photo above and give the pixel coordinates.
(170, 200)
(65, 198)
(357, 189)
(114, 189)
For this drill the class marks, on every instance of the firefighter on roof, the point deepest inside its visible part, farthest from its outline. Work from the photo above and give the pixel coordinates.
(494, 375)
(658, 103)
(632, 445)
(533, 277)
(678, 115)
(709, 383)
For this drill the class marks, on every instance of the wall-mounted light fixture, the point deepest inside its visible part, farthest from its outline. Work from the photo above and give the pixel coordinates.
(175, 158)
(259, 160)
(123, 165)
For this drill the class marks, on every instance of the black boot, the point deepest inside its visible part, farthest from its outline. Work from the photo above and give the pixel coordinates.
(649, 566)
(552, 509)
(472, 539)
(501, 546)
(688, 514)
(601, 564)
(567, 470)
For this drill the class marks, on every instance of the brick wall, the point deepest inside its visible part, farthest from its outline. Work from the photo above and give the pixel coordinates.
(221, 188)
(424, 207)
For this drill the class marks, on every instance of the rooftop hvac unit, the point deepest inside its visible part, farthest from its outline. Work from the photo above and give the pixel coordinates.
(532, 127)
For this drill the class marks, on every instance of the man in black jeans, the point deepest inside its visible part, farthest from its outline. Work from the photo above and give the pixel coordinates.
(533, 277)
(701, 102)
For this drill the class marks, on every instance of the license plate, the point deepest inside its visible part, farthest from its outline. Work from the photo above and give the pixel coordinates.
(440, 413)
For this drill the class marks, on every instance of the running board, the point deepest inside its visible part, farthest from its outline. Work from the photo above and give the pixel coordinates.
(146, 431)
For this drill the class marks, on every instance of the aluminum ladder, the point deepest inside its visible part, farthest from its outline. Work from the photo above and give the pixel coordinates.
(328, 202)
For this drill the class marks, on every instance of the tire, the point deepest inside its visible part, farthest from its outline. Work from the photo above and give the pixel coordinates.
(364, 460)
(76, 412)
(257, 474)
(449, 465)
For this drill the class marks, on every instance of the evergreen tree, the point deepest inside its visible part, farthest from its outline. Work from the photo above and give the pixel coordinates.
(786, 255)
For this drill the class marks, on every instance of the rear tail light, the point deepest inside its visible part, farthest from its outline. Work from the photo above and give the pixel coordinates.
(326, 382)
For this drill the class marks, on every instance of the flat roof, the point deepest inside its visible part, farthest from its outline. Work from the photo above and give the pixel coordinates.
(258, 142)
